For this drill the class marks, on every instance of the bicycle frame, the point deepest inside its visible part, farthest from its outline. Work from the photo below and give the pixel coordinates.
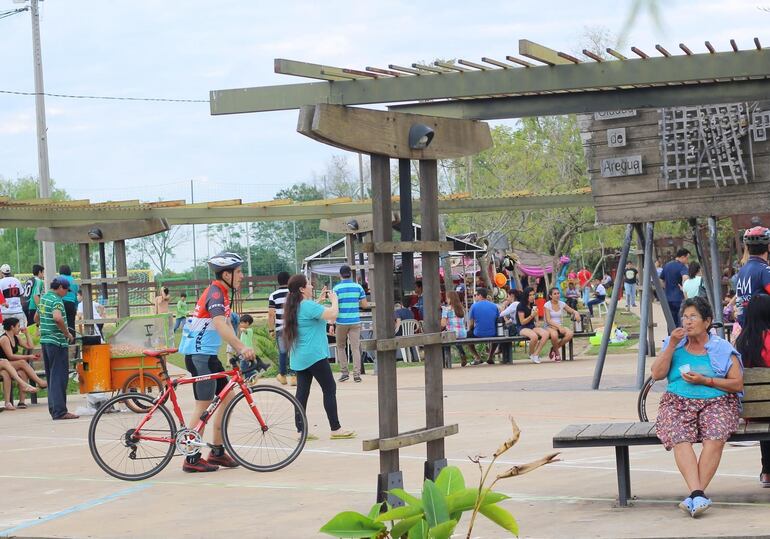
(236, 380)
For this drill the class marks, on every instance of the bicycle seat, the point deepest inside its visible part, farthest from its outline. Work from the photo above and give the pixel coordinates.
(160, 352)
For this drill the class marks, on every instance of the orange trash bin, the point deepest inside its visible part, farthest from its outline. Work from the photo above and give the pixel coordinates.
(95, 371)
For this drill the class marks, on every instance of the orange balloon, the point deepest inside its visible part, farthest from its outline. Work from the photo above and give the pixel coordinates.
(500, 279)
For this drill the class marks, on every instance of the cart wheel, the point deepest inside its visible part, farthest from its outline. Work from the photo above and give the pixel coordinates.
(153, 387)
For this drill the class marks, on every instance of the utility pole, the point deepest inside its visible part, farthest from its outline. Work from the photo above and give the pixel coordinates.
(49, 251)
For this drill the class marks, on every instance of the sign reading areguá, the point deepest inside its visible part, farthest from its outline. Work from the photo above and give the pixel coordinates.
(629, 165)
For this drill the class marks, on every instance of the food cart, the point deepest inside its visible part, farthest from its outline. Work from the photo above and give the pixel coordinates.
(120, 364)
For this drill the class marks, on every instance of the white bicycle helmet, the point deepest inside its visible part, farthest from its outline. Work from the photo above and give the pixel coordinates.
(5, 269)
(225, 261)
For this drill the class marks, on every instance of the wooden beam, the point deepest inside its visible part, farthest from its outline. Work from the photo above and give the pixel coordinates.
(540, 53)
(411, 437)
(535, 80)
(408, 247)
(355, 224)
(421, 339)
(312, 71)
(387, 133)
(111, 231)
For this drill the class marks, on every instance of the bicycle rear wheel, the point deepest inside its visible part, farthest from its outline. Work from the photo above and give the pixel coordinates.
(122, 453)
(275, 446)
(647, 404)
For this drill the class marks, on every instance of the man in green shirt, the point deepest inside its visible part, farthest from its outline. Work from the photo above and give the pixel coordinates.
(55, 337)
(182, 310)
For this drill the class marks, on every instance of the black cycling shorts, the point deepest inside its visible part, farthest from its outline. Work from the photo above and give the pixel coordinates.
(200, 365)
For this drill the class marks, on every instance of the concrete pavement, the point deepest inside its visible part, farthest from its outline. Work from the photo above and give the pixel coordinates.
(53, 488)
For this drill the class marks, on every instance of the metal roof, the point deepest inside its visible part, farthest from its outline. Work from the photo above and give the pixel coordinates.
(549, 82)
(49, 213)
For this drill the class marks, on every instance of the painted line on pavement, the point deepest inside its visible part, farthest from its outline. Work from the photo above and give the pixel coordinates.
(75, 509)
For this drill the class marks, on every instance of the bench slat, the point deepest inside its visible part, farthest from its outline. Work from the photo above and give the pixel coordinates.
(756, 392)
(641, 430)
(616, 430)
(756, 376)
(570, 433)
(756, 409)
(756, 427)
(594, 431)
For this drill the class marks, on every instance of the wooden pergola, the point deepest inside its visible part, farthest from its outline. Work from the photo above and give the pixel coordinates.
(548, 82)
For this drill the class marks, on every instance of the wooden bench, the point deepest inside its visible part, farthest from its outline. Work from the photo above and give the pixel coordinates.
(506, 345)
(755, 427)
(37, 364)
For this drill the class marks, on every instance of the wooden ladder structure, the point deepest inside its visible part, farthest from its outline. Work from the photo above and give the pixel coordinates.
(385, 135)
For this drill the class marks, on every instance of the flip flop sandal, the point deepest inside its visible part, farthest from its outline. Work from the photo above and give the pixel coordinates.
(343, 435)
(21, 406)
(9, 406)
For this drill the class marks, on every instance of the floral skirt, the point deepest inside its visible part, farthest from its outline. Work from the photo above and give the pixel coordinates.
(693, 420)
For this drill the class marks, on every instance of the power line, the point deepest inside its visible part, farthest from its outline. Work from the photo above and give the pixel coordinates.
(10, 12)
(107, 97)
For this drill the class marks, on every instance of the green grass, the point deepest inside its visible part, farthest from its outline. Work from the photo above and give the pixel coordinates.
(624, 348)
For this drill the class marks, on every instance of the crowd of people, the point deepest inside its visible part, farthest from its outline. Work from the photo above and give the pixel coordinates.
(53, 313)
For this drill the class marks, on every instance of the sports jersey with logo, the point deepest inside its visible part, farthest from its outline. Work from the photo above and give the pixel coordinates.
(12, 290)
(199, 335)
(753, 278)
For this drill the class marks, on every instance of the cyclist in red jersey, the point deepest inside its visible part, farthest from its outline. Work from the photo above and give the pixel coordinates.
(202, 337)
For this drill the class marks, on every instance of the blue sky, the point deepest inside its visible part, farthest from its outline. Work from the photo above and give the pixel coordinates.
(150, 48)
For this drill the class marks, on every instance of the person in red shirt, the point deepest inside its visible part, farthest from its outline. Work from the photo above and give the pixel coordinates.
(3, 303)
(754, 346)
(583, 276)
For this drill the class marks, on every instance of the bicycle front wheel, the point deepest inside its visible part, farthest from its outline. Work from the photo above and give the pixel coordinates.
(276, 445)
(123, 452)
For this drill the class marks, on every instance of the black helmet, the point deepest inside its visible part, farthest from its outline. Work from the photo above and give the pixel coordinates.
(757, 235)
(225, 261)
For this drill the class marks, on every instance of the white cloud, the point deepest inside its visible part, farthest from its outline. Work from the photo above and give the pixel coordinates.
(17, 123)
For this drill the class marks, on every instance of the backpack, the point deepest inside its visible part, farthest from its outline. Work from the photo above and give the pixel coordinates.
(702, 290)
(26, 293)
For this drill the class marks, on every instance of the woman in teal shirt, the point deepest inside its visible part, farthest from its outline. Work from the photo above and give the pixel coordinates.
(304, 336)
(701, 404)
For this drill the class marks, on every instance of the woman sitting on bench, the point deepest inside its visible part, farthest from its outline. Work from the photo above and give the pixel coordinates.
(9, 346)
(701, 403)
(754, 345)
(560, 335)
(527, 324)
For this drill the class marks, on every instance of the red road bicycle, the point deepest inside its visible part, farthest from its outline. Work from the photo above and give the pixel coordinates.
(264, 427)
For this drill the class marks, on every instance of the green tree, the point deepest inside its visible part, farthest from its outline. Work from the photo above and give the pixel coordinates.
(27, 251)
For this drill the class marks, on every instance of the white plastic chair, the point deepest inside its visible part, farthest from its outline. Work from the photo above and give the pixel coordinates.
(409, 328)
(602, 307)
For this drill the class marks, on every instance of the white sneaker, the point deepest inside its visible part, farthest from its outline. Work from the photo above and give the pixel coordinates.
(534, 359)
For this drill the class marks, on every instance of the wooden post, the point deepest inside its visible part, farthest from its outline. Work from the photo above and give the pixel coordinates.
(87, 288)
(121, 270)
(350, 254)
(382, 289)
(434, 385)
(407, 230)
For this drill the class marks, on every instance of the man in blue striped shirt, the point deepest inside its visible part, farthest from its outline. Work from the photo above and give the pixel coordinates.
(351, 298)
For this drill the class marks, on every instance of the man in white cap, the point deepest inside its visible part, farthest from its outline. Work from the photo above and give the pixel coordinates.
(12, 292)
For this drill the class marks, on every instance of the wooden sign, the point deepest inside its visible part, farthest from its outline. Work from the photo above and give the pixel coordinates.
(616, 138)
(677, 163)
(630, 165)
(614, 114)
